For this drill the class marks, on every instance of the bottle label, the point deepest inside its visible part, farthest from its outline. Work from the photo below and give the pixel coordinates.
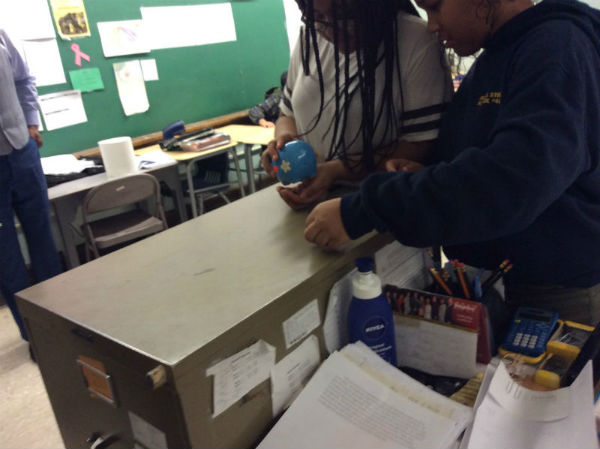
(374, 328)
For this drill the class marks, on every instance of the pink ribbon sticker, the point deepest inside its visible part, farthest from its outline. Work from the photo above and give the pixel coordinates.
(79, 54)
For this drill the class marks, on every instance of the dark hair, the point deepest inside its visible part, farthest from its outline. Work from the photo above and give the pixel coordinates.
(375, 28)
(283, 79)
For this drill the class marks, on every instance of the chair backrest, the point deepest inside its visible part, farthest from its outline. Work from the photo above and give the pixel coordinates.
(120, 192)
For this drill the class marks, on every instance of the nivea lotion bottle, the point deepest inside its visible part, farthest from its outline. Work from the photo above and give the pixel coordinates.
(369, 315)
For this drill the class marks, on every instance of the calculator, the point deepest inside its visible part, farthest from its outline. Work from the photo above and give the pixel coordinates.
(529, 331)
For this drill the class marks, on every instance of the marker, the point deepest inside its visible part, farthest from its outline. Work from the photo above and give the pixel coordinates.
(477, 286)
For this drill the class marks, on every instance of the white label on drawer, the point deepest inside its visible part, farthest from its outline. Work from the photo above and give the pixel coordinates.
(237, 375)
(301, 323)
(146, 433)
(290, 375)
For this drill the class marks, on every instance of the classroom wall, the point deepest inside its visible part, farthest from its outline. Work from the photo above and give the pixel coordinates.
(196, 83)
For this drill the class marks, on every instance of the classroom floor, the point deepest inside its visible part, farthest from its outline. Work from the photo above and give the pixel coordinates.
(26, 417)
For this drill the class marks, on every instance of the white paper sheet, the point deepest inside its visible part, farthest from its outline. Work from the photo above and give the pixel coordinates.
(131, 87)
(400, 265)
(435, 348)
(149, 69)
(153, 159)
(26, 19)
(43, 60)
(146, 433)
(343, 406)
(289, 376)
(61, 109)
(63, 164)
(301, 324)
(184, 26)
(123, 37)
(335, 325)
(498, 427)
(237, 375)
(408, 387)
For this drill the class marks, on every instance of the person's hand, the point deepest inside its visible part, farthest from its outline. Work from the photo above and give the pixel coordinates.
(35, 135)
(311, 190)
(403, 165)
(270, 154)
(266, 124)
(324, 225)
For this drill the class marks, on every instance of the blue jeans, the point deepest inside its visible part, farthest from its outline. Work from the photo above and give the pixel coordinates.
(23, 191)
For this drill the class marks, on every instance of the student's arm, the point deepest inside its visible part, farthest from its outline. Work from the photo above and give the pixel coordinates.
(330, 172)
(524, 169)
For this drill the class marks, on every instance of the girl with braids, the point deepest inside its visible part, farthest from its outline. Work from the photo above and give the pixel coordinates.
(519, 176)
(365, 83)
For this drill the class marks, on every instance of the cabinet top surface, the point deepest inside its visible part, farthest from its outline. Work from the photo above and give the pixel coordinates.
(172, 293)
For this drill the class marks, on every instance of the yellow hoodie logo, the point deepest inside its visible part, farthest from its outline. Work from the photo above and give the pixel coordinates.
(490, 97)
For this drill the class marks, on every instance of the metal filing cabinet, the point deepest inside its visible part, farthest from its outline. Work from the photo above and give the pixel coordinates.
(181, 301)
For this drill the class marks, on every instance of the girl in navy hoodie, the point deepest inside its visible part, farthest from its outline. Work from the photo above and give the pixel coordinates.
(519, 150)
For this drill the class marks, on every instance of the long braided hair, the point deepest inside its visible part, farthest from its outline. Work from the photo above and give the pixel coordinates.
(374, 28)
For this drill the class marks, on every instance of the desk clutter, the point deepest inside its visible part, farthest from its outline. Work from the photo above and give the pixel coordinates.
(443, 340)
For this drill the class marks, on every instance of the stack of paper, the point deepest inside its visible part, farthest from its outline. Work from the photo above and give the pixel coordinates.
(357, 400)
(63, 164)
(509, 415)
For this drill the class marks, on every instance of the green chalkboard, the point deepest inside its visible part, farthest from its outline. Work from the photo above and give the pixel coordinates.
(196, 83)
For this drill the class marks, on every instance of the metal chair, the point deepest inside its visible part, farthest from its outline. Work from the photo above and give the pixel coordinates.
(126, 226)
(211, 178)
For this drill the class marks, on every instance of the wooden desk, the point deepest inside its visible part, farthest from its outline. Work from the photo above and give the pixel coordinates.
(249, 135)
(189, 158)
(182, 299)
(65, 199)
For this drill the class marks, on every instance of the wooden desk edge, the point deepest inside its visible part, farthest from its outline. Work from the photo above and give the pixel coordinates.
(152, 138)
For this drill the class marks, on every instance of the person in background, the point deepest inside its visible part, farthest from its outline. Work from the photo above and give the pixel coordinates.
(266, 113)
(365, 83)
(23, 188)
(519, 147)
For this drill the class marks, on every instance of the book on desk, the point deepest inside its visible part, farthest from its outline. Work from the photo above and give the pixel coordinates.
(198, 145)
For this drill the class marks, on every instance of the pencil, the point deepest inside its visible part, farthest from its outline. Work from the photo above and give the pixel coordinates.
(439, 280)
(495, 275)
(461, 276)
(490, 282)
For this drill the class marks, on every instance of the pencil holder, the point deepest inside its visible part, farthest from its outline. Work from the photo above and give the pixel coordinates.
(296, 162)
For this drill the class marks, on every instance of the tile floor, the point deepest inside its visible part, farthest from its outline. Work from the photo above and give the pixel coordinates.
(26, 417)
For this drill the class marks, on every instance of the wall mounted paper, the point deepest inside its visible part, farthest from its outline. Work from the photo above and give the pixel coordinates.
(290, 375)
(26, 19)
(237, 375)
(149, 69)
(124, 37)
(301, 323)
(70, 18)
(118, 157)
(184, 26)
(86, 80)
(43, 60)
(131, 87)
(61, 109)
